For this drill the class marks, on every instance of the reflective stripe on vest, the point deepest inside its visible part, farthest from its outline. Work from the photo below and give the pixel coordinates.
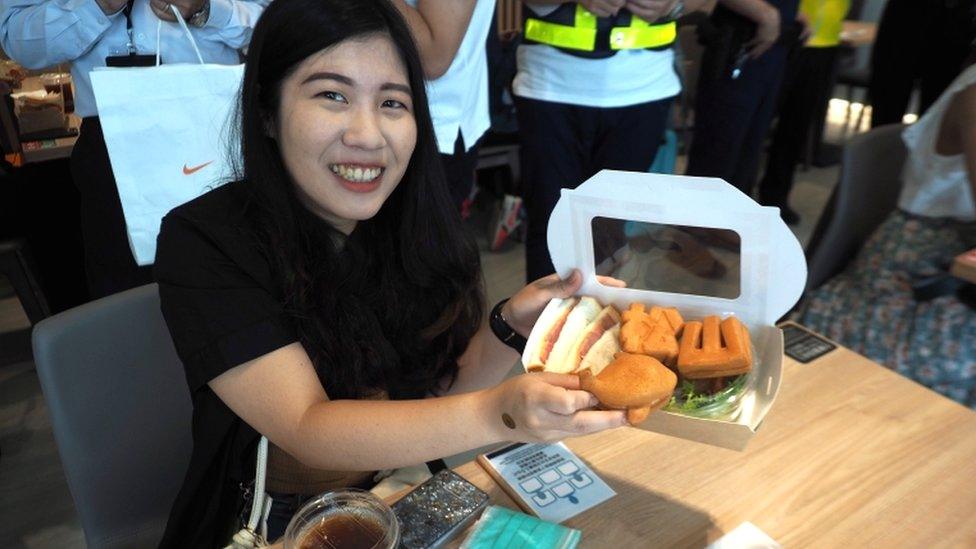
(641, 34)
(582, 35)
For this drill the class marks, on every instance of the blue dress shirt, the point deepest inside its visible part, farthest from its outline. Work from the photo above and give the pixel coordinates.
(44, 33)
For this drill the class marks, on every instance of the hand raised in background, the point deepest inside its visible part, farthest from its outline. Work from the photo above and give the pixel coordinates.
(187, 8)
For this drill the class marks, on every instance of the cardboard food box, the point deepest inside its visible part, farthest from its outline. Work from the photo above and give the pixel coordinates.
(695, 243)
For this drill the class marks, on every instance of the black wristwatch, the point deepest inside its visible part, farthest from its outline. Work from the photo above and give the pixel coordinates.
(503, 331)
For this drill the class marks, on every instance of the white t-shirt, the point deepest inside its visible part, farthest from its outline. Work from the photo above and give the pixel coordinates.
(628, 78)
(459, 98)
(936, 185)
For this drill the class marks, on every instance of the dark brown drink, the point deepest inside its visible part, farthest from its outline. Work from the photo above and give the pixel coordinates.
(343, 531)
(348, 518)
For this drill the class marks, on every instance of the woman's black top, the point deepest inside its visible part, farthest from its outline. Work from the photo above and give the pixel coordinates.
(223, 308)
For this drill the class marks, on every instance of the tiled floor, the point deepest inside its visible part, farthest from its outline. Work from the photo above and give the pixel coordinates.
(35, 506)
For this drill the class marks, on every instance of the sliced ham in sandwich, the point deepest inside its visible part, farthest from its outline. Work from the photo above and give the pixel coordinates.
(602, 324)
(602, 352)
(552, 321)
(561, 360)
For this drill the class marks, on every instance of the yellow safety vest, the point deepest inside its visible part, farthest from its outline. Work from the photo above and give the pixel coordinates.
(582, 34)
(826, 19)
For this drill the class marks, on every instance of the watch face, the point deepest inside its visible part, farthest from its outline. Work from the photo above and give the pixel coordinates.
(199, 18)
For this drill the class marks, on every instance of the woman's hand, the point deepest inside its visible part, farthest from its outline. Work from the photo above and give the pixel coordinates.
(524, 308)
(603, 8)
(546, 407)
(186, 7)
(767, 32)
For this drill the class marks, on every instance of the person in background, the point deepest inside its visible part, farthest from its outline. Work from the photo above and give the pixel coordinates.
(451, 38)
(329, 299)
(922, 43)
(86, 34)
(871, 306)
(805, 92)
(738, 88)
(593, 90)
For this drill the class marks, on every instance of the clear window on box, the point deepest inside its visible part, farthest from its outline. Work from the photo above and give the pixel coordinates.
(668, 258)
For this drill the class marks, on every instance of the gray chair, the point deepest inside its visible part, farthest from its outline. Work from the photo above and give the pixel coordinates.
(867, 191)
(121, 413)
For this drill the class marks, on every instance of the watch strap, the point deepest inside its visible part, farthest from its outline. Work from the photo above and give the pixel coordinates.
(503, 330)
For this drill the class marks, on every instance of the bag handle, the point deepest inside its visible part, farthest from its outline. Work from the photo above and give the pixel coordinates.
(186, 31)
(249, 537)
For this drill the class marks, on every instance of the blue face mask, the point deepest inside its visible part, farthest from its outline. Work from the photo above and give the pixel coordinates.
(499, 528)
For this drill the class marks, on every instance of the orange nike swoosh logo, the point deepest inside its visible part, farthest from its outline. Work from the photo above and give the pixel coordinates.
(195, 169)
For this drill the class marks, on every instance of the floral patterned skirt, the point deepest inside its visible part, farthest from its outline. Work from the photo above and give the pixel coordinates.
(870, 308)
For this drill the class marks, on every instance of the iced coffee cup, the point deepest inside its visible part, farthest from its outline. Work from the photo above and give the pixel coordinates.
(343, 519)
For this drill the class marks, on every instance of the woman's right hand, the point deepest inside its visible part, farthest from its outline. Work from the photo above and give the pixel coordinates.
(547, 407)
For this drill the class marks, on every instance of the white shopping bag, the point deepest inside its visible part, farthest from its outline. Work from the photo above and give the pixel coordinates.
(166, 129)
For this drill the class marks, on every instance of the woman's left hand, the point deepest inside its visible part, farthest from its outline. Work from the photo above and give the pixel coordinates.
(524, 308)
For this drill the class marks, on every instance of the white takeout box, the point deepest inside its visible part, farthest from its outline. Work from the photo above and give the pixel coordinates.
(772, 274)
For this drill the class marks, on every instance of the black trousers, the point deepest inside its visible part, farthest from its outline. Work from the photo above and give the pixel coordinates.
(732, 117)
(563, 145)
(922, 42)
(804, 94)
(109, 264)
(459, 169)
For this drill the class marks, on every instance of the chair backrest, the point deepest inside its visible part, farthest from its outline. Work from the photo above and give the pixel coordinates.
(867, 191)
(121, 413)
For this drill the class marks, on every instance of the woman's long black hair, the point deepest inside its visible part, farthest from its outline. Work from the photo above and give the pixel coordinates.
(394, 305)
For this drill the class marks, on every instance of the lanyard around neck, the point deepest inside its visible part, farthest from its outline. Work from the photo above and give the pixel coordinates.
(127, 10)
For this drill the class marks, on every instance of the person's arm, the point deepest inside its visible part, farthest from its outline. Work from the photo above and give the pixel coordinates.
(229, 22)
(766, 18)
(484, 364)
(280, 396)
(439, 27)
(42, 33)
(487, 360)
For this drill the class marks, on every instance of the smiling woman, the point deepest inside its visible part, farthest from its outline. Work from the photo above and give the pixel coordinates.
(347, 134)
(329, 298)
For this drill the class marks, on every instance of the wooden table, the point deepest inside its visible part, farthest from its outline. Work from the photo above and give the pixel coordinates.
(851, 455)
